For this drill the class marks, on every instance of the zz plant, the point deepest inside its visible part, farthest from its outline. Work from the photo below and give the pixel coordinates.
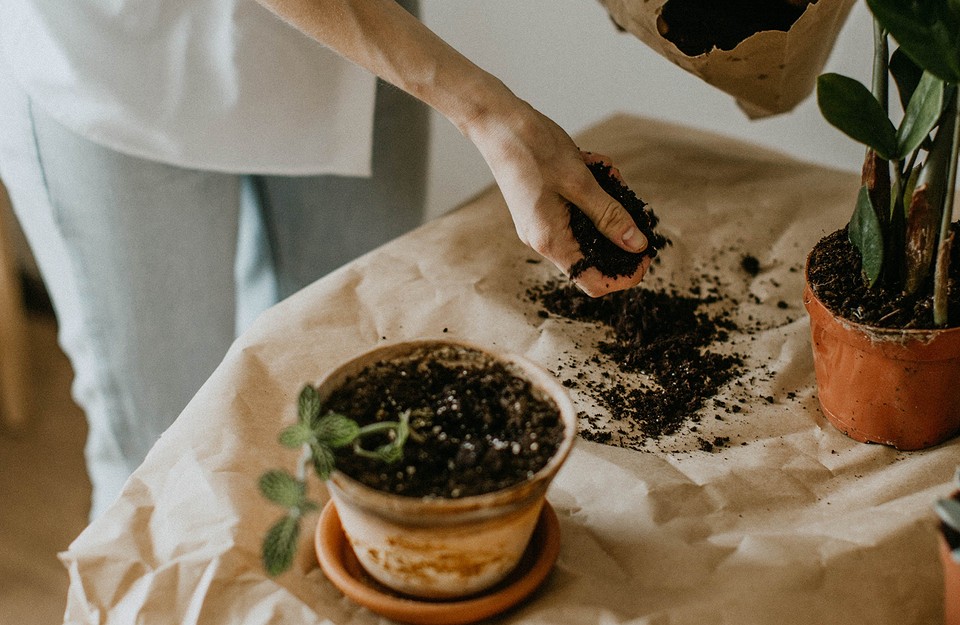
(317, 435)
(901, 221)
(949, 512)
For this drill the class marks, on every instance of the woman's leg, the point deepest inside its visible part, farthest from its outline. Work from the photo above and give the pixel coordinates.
(139, 261)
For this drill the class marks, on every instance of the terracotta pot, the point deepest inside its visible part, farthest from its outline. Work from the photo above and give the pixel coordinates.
(895, 387)
(444, 548)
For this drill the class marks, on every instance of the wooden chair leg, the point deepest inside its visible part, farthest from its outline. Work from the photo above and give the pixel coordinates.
(13, 329)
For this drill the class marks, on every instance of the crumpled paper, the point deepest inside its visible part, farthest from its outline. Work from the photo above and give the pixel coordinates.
(790, 523)
(768, 73)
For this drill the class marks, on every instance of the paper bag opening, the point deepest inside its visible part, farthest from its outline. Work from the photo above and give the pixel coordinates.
(767, 54)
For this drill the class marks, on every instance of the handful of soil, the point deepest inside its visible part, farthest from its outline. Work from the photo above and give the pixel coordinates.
(698, 26)
(599, 251)
(476, 427)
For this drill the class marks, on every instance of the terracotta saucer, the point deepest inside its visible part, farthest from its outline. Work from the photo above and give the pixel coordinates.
(345, 572)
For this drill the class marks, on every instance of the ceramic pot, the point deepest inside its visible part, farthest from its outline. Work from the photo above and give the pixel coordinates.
(445, 548)
(895, 387)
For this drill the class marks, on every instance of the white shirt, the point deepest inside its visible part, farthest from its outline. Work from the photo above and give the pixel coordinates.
(210, 84)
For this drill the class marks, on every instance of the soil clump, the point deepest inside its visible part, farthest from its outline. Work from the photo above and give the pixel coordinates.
(476, 427)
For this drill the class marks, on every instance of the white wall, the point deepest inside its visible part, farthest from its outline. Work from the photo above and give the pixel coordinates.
(566, 58)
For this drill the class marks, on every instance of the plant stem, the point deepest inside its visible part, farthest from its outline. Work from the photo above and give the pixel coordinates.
(891, 216)
(941, 276)
(881, 63)
(382, 426)
(306, 457)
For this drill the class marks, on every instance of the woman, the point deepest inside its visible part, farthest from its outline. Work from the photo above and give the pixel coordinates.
(135, 133)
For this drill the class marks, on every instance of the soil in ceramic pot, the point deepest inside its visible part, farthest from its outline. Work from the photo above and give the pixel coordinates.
(835, 277)
(477, 427)
(598, 251)
(698, 26)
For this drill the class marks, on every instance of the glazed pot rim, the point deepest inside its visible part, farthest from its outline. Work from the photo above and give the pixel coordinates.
(473, 506)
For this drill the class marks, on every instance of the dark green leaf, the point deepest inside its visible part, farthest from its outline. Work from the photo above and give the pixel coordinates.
(927, 30)
(308, 405)
(295, 435)
(865, 234)
(323, 460)
(282, 488)
(922, 114)
(906, 74)
(852, 109)
(280, 545)
(336, 430)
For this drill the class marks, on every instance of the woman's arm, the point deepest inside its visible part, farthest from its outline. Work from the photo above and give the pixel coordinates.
(535, 163)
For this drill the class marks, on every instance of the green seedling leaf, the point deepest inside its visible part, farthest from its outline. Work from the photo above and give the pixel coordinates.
(850, 107)
(906, 74)
(949, 512)
(280, 545)
(295, 435)
(391, 453)
(323, 460)
(927, 30)
(922, 114)
(336, 430)
(308, 406)
(865, 234)
(282, 488)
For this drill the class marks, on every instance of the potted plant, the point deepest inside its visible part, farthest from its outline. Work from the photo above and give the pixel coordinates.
(436, 455)
(881, 293)
(949, 512)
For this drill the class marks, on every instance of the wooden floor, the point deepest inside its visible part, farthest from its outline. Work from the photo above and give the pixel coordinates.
(44, 490)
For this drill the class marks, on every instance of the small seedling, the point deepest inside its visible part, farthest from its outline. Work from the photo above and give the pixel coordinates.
(949, 512)
(317, 436)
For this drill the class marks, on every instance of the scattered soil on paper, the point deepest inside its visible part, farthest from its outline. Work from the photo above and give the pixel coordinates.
(664, 373)
(660, 333)
(835, 277)
(698, 26)
(476, 426)
(598, 251)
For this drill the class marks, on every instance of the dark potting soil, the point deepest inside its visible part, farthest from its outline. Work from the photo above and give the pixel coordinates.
(476, 426)
(834, 271)
(661, 333)
(598, 251)
(698, 26)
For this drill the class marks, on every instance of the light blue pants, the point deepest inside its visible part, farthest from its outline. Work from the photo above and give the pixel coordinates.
(141, 259)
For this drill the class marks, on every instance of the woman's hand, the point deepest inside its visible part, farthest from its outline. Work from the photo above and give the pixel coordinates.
(540, 170)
